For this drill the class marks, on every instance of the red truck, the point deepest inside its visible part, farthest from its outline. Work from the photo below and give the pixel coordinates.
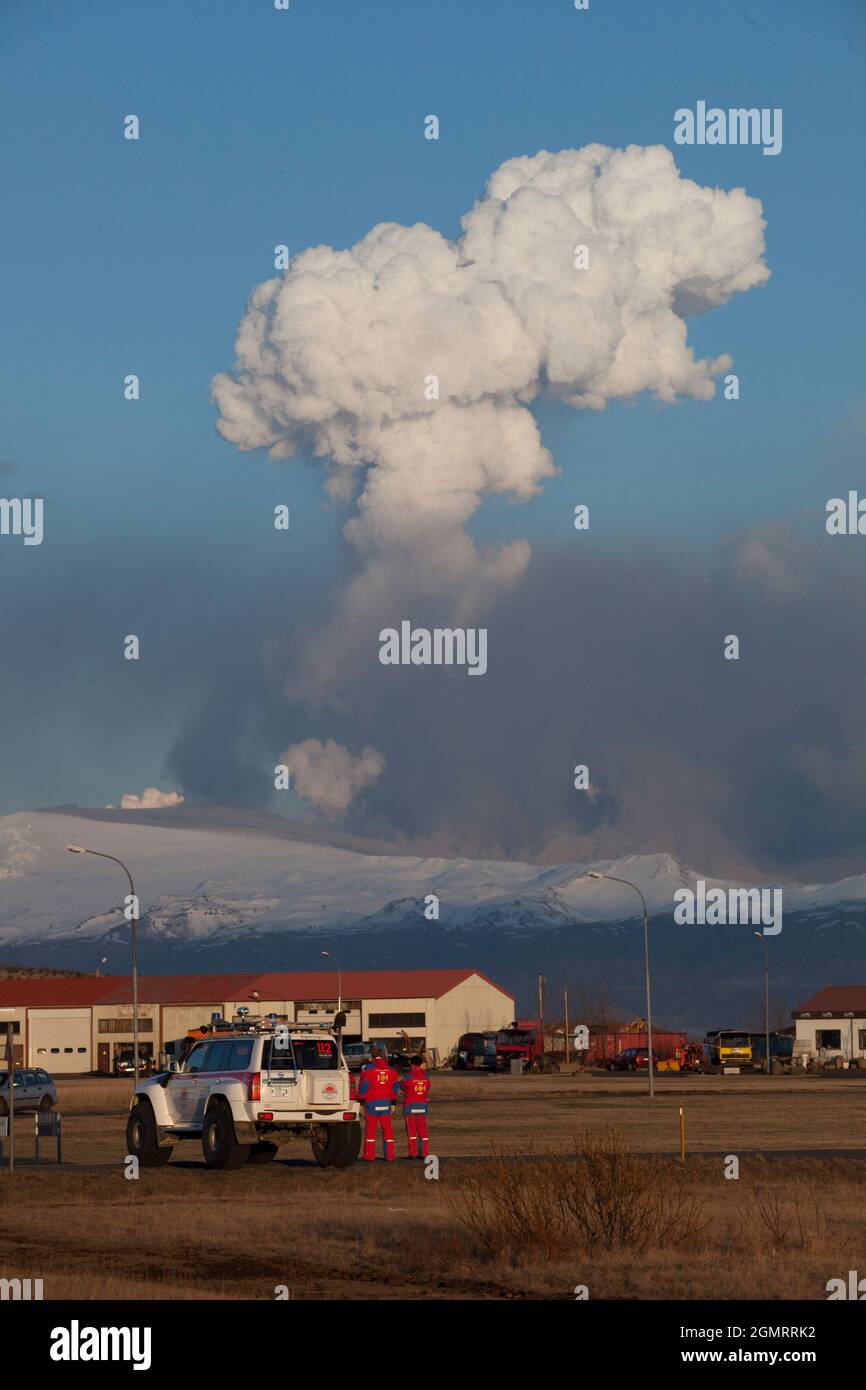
(522, 1041)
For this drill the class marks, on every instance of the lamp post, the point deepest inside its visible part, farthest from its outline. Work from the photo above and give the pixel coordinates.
(79, 849)
(761, 937)
(649, 1017)
(339, 980)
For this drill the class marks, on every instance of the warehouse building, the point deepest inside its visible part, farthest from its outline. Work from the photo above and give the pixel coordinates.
(832, 1023)
(80, 1024)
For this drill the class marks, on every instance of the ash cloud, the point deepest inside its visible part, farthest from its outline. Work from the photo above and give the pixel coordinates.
(738, 767)
(334, 357)
(329, 776)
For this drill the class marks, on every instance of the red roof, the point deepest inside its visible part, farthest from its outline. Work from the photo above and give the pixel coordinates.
(181, 989)
(836, 999)
(215, 989)
(37, 991)
(364, 984)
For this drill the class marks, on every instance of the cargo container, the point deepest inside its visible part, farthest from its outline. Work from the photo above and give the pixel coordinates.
(781, 1047)
(604, 1047)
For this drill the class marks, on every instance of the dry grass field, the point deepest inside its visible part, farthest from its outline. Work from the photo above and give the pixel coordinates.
(498, 1227)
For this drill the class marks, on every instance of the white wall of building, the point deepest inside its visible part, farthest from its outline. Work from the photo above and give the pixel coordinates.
(812, 1033)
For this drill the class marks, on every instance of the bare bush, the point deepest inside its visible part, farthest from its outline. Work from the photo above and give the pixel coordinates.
(510, 1204)
(600, 1197)
(791, 1216)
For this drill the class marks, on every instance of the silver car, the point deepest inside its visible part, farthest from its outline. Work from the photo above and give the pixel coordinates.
(32, 1089)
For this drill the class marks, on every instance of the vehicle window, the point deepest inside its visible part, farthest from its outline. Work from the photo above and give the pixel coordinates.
(218, 1056)
(277, 1054)
(316, 1054)
(197, 1058)
(239, 1056)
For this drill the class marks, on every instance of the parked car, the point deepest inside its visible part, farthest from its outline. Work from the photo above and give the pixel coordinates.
(475, 1050)
(32, 1089)
(243, 1093)
(357, 1054)
(124, 1063)
(632, 1059)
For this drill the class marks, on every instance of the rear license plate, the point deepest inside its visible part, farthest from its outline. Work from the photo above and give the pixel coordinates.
(281, 1092)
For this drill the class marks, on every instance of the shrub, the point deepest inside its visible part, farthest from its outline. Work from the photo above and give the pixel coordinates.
(601, 1196)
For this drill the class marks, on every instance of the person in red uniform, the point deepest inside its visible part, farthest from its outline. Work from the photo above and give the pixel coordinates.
(378, 1089)
(416, 1090)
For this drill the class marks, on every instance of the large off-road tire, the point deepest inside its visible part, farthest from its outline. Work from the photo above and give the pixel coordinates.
(218, 1139)
(262, 1152)
(340, 1145)
(142, 1137)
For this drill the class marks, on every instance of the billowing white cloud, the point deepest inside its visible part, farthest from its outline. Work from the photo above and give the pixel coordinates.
(328, 775)
(151, 799)
(335, 357)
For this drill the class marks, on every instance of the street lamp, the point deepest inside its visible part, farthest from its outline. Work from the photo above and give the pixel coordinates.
(79, 849)
(593, 873)
(761, 937)
(339, 980)
(102, 961)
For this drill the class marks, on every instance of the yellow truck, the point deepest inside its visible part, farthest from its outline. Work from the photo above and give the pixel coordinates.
(729, 1048)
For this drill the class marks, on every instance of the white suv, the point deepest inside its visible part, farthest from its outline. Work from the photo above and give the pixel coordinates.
(243, 1091)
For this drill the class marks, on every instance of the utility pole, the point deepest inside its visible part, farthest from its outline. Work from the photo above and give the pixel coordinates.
(10, 1076)
(565, 1014)
(763, 941)
(541, 1017)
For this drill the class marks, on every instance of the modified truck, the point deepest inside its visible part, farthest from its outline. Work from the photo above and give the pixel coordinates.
(244, 1091)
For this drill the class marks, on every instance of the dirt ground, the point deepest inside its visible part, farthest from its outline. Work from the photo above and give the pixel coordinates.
(784, 1228)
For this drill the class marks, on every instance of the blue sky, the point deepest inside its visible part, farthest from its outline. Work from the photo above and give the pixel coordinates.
(305, 127)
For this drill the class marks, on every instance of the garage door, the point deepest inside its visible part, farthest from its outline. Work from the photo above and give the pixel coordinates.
(59, 1040)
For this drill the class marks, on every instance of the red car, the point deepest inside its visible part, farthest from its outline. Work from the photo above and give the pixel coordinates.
(632, 1059)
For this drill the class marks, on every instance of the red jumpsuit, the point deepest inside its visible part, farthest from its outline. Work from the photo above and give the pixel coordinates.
(378, 1088)
(416, 1089)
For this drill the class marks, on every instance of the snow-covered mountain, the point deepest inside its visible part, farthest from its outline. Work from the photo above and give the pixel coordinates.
(206, 885)
(222, 889)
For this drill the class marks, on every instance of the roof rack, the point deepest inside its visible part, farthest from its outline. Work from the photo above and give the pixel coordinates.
(244, 1022)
